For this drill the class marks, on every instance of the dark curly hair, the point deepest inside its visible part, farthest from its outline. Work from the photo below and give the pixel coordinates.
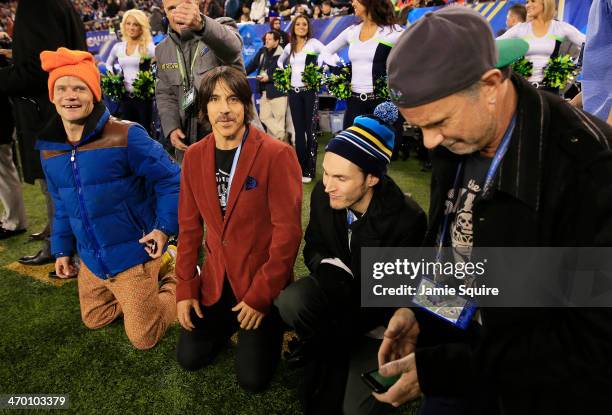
(381, 11)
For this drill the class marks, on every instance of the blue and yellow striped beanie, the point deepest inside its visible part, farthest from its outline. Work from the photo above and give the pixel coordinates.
(369, 141)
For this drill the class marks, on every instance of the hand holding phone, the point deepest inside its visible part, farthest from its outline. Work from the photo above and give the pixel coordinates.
(377, 382)
(154, 242)
(403, 378)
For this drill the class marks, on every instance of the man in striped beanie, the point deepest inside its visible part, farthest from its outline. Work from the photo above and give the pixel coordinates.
(368, 143)
(355, 205)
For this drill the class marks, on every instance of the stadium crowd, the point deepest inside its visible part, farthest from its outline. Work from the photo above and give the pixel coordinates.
(102, 14)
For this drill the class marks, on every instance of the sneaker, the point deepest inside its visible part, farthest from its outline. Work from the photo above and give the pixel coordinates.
(306, 179)
(168, 261)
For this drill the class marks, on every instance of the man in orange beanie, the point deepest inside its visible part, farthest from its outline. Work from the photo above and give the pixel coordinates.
(116, 196)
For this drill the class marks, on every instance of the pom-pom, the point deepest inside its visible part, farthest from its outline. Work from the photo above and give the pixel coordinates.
(282, 79)
(387, 112)
(523, 67)
(381, 90)
(560, 71)
(112, 86)
(339, 84)
(144, 85)
(312, 77)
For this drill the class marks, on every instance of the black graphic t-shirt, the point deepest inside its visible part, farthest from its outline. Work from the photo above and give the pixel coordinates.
(461, 231)
(223, 167)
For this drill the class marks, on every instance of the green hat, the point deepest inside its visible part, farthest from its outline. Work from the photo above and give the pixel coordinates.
(510, 51)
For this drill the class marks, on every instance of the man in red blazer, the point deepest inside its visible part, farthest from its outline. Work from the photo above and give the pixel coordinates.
(246, 187)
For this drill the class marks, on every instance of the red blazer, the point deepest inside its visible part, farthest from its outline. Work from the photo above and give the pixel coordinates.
(257, 240)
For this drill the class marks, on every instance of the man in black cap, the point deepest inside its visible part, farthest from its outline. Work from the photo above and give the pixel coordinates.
(512, 166)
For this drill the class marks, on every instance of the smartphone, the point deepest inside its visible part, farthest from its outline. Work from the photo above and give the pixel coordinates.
(152, 244)
(377, 382)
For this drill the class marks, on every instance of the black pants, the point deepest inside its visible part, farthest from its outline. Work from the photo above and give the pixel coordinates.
(319, 311)
(258, 350)
(137, 110)
(356, 107)
(302, 105)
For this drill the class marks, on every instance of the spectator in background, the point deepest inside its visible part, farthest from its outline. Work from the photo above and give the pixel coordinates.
(112, 8)
(202, 43)
(284, 9)
(232, 9)
(326, 9)
(26, 82)
(245, 9)
(517, 13)
(13, 221)
(156, 21)
(342, 6)
(133, 54)
(273, 104)
(275, 24)
(300, 9)
(259, 11)
(211, 8)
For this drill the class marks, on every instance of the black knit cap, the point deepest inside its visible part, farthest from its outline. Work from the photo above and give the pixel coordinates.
(442, 53)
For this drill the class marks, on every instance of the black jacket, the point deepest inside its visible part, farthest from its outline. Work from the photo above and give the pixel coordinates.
(392, 220)
(39, 25)
(266, 60)
(6, 109)
(554, 188)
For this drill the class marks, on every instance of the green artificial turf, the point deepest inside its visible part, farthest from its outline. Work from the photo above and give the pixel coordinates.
(46, 349)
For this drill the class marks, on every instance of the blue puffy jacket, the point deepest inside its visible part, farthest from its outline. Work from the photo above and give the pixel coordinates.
(114, 186)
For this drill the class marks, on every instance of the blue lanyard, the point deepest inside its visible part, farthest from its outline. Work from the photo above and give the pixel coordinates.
(497, 159)
(350, 217)
(235, 163)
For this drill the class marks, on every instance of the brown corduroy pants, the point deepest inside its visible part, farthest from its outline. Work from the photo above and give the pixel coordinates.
(148, 306)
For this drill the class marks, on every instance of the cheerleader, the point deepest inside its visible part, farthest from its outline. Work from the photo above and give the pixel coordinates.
(302, 50)
(131, 54)
(544, 36)
(369, 44)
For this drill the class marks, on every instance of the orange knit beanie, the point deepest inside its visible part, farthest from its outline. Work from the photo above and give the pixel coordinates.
(66, 62)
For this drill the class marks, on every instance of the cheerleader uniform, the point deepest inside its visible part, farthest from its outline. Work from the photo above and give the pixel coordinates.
(542, 49)
(132, 108)
(302, 103)
(368, 63)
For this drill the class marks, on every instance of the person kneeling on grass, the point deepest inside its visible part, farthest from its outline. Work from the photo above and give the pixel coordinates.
(115, 192)
(246, 186)
(356, 205)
